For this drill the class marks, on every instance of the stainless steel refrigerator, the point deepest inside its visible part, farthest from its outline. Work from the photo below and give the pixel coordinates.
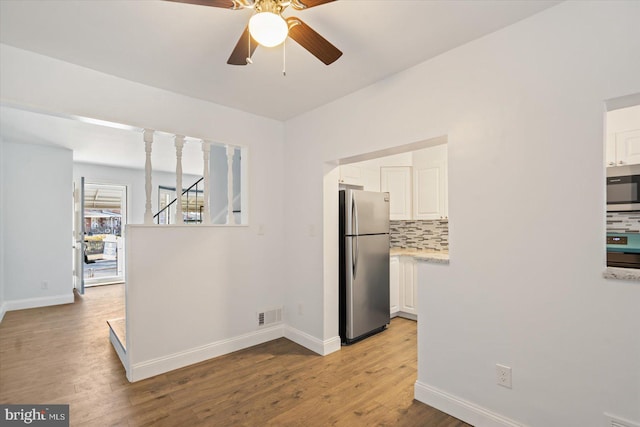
(364, 264)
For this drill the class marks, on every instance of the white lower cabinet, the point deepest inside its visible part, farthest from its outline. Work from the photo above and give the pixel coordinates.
(394, 284)
(403, 284)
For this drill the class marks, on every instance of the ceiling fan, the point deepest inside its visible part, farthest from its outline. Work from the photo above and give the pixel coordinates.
(268, 27)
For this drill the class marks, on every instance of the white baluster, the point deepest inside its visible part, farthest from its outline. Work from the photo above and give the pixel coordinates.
(148, 141)
(206, 150)
(179, 143)
(230, 218)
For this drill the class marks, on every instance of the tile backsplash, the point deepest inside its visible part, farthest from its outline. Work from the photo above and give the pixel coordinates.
(623, 222)
(420, 234)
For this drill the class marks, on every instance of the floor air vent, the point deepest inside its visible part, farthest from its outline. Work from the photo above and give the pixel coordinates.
(269, 317)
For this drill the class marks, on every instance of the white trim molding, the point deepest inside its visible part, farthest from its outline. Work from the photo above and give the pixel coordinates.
(3, 310)
(149, 368)
(312, 343)
(461, 409)
(119, 348)
(22, 304)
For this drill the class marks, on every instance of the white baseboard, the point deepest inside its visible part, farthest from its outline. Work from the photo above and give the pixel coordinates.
(21, 304)
(3, 310)
(149, 368)
(312, 343)
(405, 315)
(461, 409)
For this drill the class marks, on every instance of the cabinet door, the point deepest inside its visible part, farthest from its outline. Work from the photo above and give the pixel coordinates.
(408, 286)
(350, 175)
(397, 181)
(610, 152)
(430, 191)
(394, 284)
(628, 147)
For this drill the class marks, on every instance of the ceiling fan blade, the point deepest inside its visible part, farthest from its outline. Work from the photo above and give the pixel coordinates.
(309, 39)
(227, 4)
(306, 4)
(241, 51)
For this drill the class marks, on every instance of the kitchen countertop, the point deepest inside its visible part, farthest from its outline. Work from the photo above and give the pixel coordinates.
(426, 255)
(621, 273)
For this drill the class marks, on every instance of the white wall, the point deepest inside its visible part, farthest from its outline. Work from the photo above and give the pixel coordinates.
(193, 292)
(37, 209)
(523, 112)
(2, 305)
(51, 85)
(436, 154)
(134, 180)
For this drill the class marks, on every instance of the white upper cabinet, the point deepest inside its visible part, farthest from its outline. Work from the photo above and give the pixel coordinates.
(628, 147)
(397, 181)
(623, 137)
(610, 155)
(430, 183)
(361, 175)
(351, 175)
(416, 182)
(429, 192)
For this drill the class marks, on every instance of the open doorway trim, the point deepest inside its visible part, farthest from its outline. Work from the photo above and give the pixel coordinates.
(103, 210)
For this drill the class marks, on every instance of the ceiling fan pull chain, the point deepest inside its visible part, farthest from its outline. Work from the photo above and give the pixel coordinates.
(249, 61)
(284, 58)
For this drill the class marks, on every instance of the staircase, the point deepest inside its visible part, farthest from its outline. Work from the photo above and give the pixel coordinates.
(192, 202)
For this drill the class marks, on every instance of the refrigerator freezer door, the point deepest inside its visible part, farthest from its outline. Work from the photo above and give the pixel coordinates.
(366, 212)
(367, 284)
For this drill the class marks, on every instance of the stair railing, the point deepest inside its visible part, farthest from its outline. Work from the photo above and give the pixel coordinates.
(197, 209)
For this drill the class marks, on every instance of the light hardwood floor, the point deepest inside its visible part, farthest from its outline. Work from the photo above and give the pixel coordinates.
(62, 354)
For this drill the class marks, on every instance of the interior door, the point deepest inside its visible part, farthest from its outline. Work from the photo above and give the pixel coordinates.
(78, 236)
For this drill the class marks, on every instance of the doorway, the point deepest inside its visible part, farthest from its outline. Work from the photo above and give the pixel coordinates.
(104, 217)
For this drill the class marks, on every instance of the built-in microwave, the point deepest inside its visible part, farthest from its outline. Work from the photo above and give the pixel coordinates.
(623, 188)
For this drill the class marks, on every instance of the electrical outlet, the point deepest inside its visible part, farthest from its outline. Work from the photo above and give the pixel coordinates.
(300, 310)
(44, 285)
(503, 375)
(260, 229)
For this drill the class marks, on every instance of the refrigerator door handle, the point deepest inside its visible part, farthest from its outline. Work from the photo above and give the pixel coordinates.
(354, 231)
(354, 256)
(354, 216)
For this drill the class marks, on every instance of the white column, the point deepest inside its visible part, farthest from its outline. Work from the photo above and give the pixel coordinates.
(230, 218)
(206, 214)
(179, 143)
(148, 140)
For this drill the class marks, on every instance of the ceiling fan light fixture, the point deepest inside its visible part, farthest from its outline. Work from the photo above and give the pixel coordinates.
(268, 28)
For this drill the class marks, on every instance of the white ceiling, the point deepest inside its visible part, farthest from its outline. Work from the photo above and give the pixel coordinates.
(183, 48)
(99, 143)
